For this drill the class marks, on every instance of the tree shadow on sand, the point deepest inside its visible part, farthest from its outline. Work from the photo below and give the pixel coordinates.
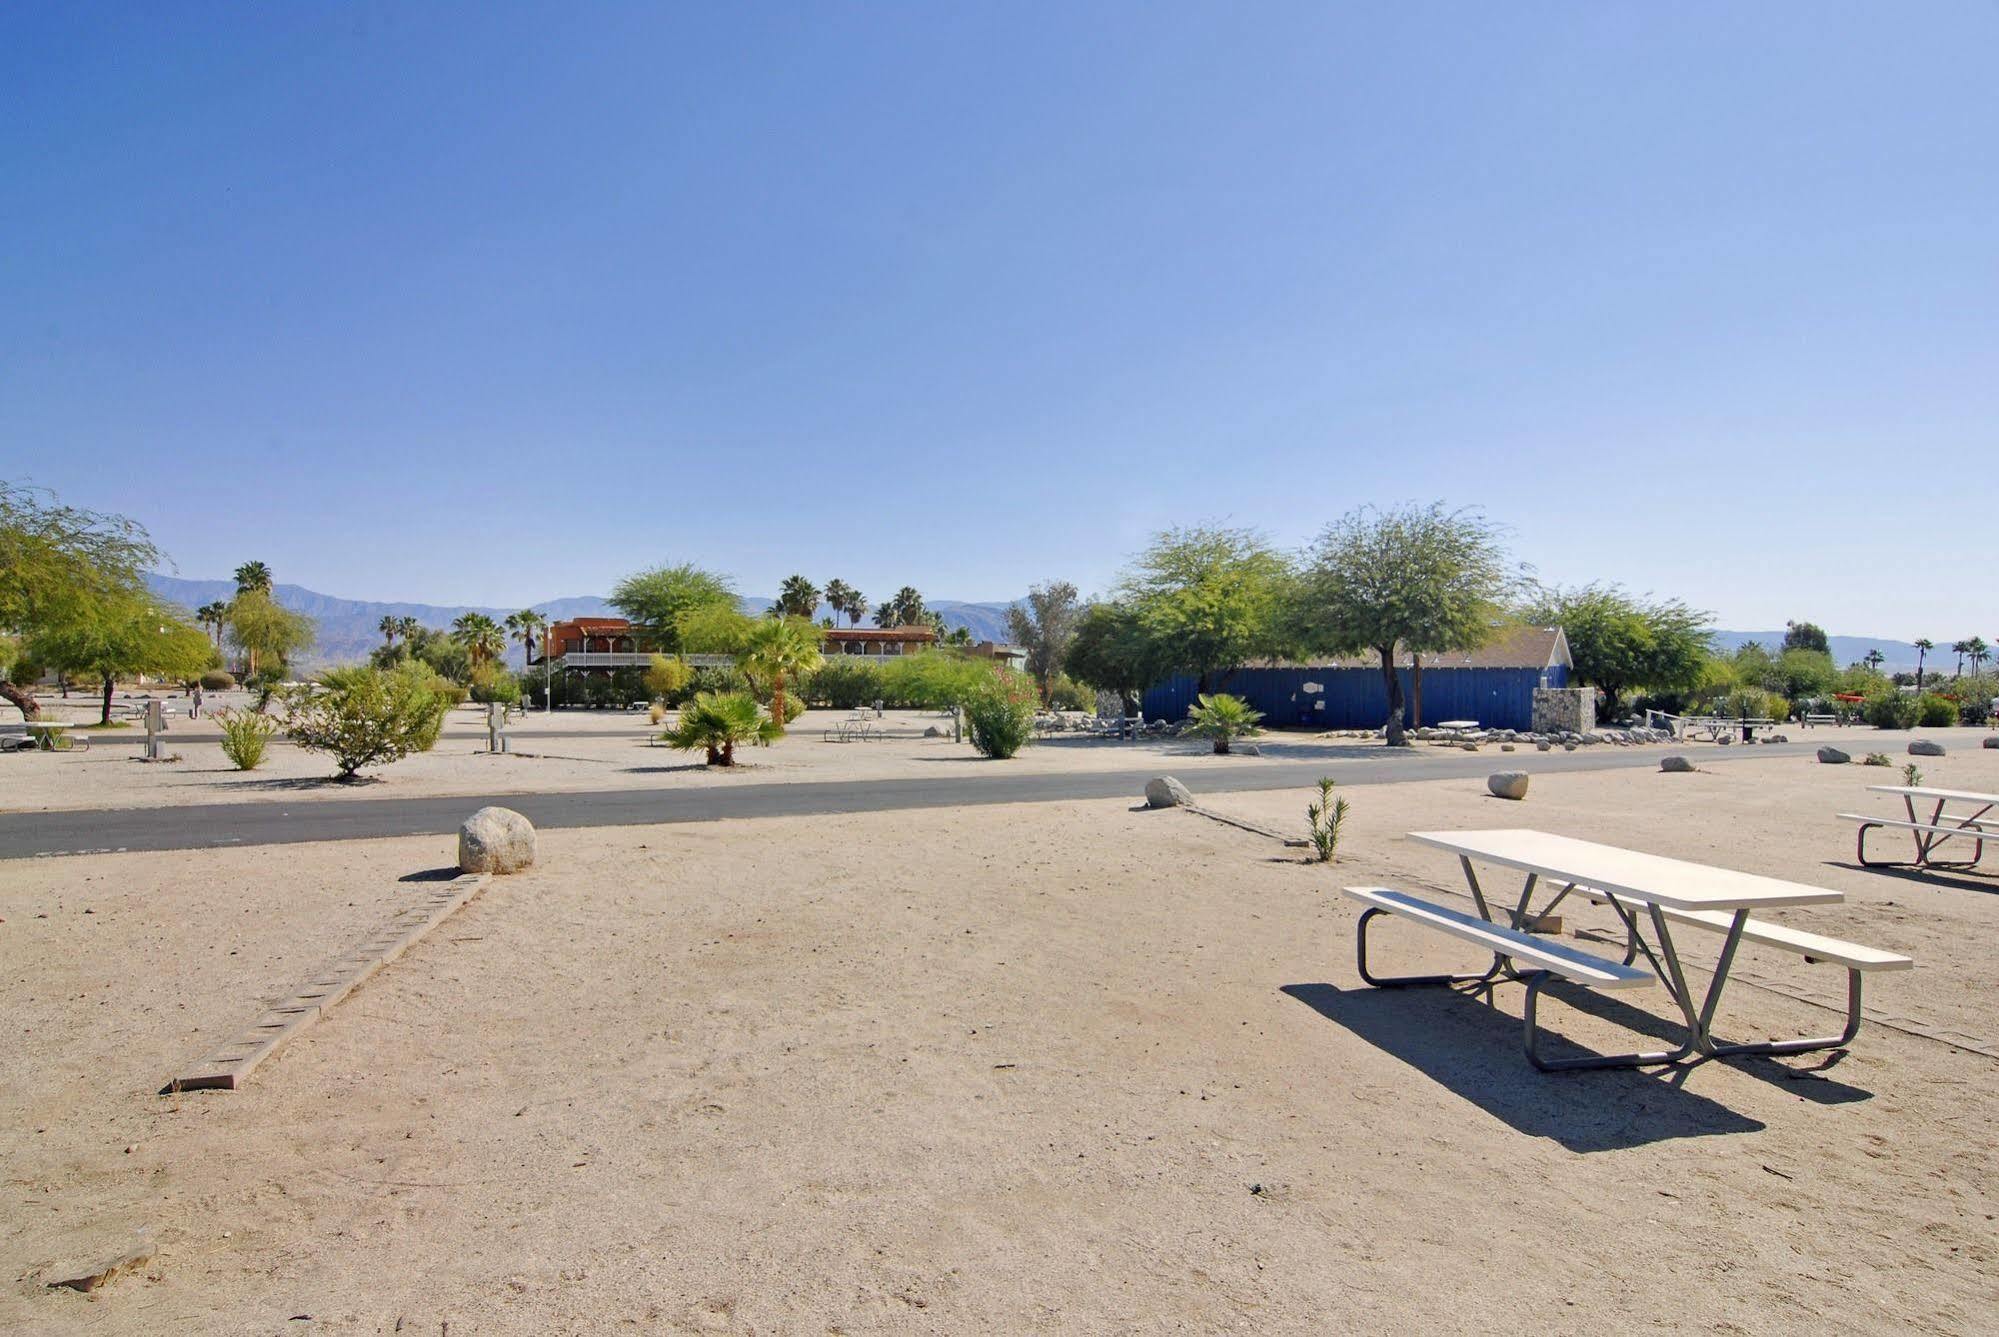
(304, 783)
(1462, 1042)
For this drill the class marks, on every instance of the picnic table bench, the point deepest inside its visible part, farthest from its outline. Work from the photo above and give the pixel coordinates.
(1977, 826)
(54, 736)
(1659, 891)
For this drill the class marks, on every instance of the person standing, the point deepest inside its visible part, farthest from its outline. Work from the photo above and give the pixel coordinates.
(194, 711)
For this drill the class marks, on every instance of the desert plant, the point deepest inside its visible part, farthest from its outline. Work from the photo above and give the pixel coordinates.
(1223, 718)
(1065, 693)
(245, 735)
(1912, 775)
(667, 679)
(655, 713)
(365, 716)
(999, 713)
(215, 680)
(1326, 818)
(1891, 710)
(493, 683)
(845, 684)
(1935, 712)
(1876, 759)
(717, 722)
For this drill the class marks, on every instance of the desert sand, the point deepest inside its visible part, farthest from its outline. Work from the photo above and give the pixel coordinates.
(1043, 1067)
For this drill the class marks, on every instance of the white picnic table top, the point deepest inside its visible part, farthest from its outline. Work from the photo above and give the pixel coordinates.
(1674, 883)
(1947, 795)
(1457, 724)
(47, 724)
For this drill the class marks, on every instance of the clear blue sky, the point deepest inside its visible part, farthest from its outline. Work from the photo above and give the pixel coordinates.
(494, 303)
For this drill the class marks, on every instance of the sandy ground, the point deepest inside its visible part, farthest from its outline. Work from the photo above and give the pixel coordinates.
(1051, 1067)
(575, 751)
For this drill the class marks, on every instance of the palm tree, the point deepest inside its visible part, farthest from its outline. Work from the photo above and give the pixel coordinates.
(717, 721)
(1222, 717)
(785, 648)
(253, 576)
(213, 615)
(388, 626)
(838, 593)
(797, 597)
(1977, 651)
(408, 628)
(1960, 649)
(527, 624)
(857, 607)
(1923, 647)
(1873, 659)
(480, 636)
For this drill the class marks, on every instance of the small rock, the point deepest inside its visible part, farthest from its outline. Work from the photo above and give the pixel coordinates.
(1167, 792)
(1832, 756)
(1508, 784)
(1991, 742)
(89, 1276)
(1568, 747)
(495, 840)
(1925, 747)
(1544, 746)
(1675, 763)
(1246, 749)
(933, 732)
(1506, 747)
(1469, 747)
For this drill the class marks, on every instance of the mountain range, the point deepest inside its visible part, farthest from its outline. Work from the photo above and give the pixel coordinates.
(347, 626)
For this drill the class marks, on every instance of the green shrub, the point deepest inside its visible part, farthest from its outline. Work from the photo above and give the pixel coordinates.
(1753, 703)
(1912, 775)
(717, 682)
(1068, 694)
(366, 717)
(845, 683)
(1223, 718)
(215, 680)
(1935, 712)
(1891, 710)
(668, 680)
(245, 734)
(999, 712)
(1876, 759)
(495, 684)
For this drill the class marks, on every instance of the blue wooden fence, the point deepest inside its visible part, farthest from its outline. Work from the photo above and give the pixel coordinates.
(1356, 698)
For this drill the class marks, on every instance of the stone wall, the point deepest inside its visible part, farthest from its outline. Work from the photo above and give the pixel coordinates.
(1564, 709)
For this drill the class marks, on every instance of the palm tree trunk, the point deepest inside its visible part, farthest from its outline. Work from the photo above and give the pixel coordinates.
(110, 681)
(777, 698)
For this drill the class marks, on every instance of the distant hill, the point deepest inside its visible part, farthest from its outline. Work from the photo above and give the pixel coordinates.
(1901, 655)
(347, 626)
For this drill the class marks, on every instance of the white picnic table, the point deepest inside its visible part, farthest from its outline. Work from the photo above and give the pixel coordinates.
(1664, 891)
(50, 733)
(1977, 825)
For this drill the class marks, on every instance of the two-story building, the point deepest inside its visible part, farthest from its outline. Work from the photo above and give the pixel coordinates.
(601, 644)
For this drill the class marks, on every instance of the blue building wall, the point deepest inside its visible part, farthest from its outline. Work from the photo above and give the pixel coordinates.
(1356, 698)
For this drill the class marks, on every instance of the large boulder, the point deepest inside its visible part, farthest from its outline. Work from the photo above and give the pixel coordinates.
(1991, 741)
(1508, 784)
(496, 840)
(1166, 792)
(1675, 763)
(1832, 756)
(1925, 747)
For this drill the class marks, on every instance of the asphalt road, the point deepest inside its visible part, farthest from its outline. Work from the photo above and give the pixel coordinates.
(39, 834)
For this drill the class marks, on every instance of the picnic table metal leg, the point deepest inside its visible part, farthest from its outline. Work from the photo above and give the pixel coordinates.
(1529, 1030)
(1840, 1041)
(1405, 981)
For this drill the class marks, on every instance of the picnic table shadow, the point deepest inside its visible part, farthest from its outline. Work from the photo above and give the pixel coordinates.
(1464, 1044)
(1961, 879)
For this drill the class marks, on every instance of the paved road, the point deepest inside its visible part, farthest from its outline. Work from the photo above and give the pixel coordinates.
(26, 835)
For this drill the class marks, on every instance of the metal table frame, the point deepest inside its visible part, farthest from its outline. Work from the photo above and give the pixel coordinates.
(1663, 955)
(1972, 827)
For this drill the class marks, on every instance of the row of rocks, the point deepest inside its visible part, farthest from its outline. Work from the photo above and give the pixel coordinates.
(1921, 747)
